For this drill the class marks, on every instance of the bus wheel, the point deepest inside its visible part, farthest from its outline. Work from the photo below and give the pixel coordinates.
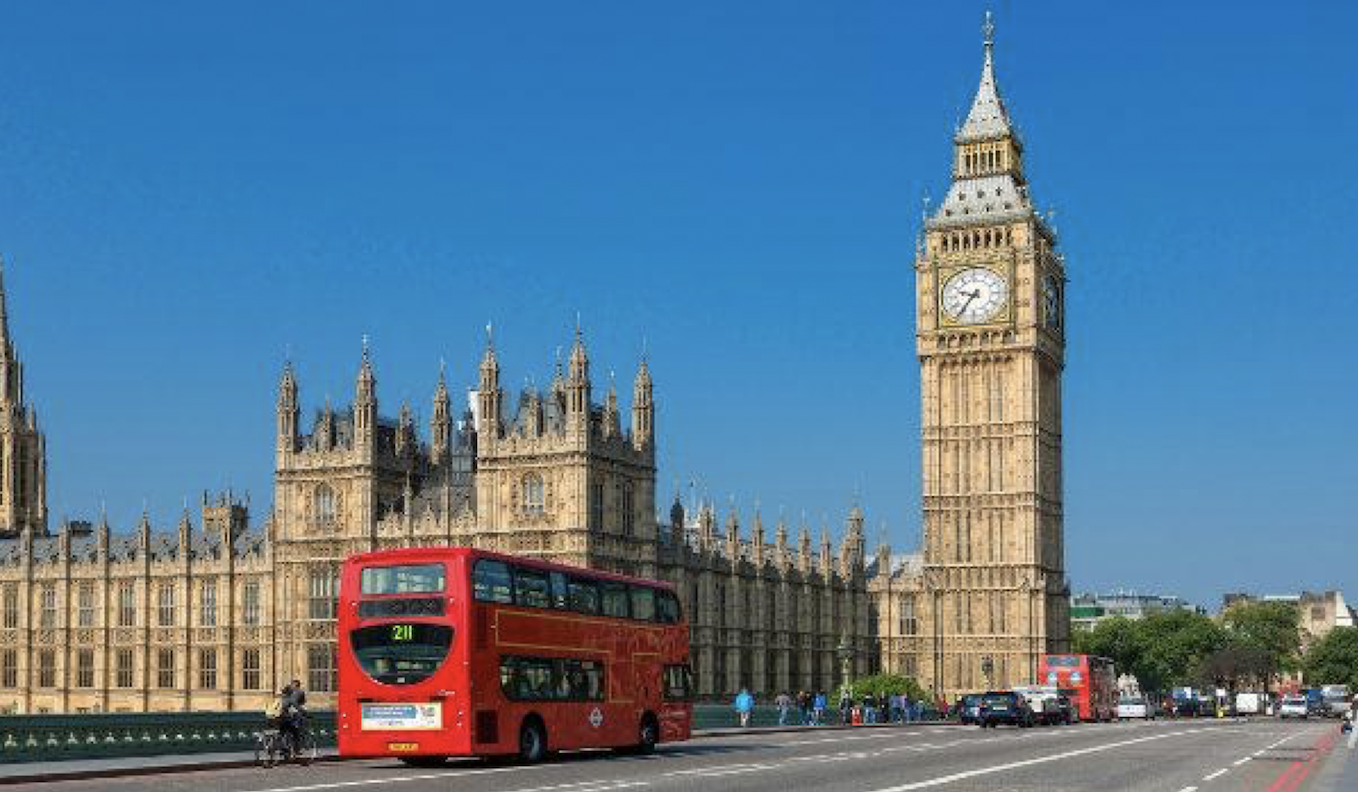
(532, 741)
(648, 735)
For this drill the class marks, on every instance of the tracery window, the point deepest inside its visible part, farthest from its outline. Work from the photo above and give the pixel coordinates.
(127, 605)
(533, 497)
(323, 594)
(47, 617)
(165, 603)
(324, 510)
(85, 614)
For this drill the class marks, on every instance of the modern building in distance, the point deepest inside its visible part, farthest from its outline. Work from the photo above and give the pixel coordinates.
(1087, 610)
(1317, 612)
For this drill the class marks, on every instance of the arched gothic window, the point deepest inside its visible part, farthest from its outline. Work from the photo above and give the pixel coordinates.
(324, 510)
(533, 500)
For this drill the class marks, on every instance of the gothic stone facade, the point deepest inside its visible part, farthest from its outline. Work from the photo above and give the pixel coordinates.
(214, 617)
(990, 333)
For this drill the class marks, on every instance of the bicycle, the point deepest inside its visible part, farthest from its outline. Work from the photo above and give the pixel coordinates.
(272, 746)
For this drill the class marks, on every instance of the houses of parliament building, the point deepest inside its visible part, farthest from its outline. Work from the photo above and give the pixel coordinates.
(216, 612)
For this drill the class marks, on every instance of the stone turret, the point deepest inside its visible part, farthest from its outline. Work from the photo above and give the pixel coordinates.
(365, 406)
(643, 409)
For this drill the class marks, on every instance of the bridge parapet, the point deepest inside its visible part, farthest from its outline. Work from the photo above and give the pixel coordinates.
(54, 738)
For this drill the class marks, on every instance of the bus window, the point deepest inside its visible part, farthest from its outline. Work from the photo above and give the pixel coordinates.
(531, 588)
(401, 654)
(678, 683)
(643, 603)
(559, 593)
(666, 607)
(614, 598)
(527, 679)
(407, 579)
(582, 680)
(582, 596)
(491, 582)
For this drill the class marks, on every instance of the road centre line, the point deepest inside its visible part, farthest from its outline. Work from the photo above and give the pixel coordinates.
(1239, 762)
(984, 771)
(1189, 789)
(1218, 774)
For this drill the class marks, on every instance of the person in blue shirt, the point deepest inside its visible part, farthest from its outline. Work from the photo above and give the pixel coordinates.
(818, 712)
(744, 706)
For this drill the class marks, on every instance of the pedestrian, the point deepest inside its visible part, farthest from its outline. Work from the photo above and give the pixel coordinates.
(818, 713)
(845, 707)
(869, 709)
(804, 707)
(783, 702)
(744, 706)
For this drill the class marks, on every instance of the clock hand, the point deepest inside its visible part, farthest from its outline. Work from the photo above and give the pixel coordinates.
(970, 297)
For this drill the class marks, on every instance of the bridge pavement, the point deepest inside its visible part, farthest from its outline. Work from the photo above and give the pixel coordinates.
(1165, 756)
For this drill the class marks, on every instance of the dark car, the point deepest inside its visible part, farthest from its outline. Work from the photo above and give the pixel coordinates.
(1187, 707)
(969, 708)
(1005, 706)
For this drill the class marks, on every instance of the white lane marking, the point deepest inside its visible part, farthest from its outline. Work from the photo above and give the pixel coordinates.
(984, 771)
(1239, 762)
(398, 780)
(1218, 774)
(1189, 789)
(1353, 738)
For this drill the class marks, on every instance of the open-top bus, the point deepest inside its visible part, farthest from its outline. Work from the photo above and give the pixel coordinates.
(1088, 680)
(458, 652)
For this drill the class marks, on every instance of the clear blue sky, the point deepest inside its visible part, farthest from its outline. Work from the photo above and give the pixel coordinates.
(187, 193)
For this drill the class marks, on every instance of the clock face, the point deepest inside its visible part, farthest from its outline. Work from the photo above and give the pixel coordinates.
(1051, 302)
(974, 295)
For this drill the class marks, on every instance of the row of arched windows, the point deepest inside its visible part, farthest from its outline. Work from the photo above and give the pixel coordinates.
(977, 239)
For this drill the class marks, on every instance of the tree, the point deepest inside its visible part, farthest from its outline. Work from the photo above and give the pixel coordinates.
(882, 685)
(1270, 627)
(1333, 660)
(1174, 645)
(1238, 666)
(1161, 650)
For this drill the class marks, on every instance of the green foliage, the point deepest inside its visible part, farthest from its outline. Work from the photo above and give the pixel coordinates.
(1270, 627)
(1161, 650)
(1239, 665)
(884, 685)
(1333, 660)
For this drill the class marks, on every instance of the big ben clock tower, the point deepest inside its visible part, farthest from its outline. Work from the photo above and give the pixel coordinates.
(991, 341)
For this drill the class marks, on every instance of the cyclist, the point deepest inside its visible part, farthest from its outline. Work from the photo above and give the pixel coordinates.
(292, 715)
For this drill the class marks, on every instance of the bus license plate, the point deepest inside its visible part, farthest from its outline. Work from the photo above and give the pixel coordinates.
(403, 747)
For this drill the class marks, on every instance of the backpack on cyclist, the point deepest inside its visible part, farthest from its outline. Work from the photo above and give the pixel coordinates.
(275, 710)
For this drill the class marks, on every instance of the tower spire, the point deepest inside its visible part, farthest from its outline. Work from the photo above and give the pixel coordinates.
(988, 117)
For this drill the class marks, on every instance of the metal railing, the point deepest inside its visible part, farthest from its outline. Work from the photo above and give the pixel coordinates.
(55, 738)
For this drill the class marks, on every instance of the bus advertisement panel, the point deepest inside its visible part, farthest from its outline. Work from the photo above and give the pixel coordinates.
(458, 652)
(1088, 680)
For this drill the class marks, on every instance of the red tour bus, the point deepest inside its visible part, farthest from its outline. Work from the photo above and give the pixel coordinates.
(1089, 681)
(458, 652)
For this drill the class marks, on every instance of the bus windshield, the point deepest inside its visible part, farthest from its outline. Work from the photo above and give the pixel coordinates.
(401, 654)
(406, 579)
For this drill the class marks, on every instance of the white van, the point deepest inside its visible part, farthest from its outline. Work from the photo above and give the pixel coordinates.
(1251, 704)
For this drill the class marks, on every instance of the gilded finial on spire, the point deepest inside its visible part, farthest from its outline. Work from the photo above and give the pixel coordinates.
(988, 29)
(490, 335)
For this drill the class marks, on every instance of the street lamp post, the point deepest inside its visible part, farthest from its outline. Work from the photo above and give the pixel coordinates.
(987, 669)
(845, 659)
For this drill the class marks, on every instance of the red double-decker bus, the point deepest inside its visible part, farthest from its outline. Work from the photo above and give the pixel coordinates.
(1090, 682)
(457, 652)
